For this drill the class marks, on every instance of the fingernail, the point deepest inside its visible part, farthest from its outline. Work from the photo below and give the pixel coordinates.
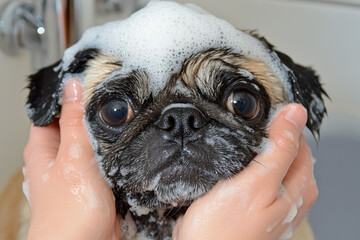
(72, 91)
(297, 115)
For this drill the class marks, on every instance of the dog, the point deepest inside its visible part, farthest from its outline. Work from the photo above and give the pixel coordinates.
(165, 138)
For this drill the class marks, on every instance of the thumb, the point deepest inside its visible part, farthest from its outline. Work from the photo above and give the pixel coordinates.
(72, 129)
(72, 109)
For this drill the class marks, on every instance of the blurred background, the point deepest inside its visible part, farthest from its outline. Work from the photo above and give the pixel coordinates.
(323, 34)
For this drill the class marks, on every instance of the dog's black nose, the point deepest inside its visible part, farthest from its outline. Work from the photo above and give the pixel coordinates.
(182, 121)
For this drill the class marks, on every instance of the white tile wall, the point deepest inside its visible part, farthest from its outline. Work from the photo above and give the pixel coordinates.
(14, 124)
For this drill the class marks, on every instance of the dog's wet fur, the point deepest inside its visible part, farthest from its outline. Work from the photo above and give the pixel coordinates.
(172, 148)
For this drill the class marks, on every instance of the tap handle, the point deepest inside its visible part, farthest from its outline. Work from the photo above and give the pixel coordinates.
(20, 27)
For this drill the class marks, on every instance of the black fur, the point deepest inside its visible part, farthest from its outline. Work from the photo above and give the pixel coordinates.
(305, 86)
(42, 104)
(45, 88)
(81, 59)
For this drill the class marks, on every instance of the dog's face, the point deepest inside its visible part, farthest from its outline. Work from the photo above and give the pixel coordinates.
(206, 123)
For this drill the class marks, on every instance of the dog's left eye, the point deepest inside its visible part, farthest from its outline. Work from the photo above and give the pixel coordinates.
(116, 112)
(244, 104)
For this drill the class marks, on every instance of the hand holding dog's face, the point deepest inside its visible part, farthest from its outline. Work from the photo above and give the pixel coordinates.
(269, 199)
(161, 148)
(61, 179)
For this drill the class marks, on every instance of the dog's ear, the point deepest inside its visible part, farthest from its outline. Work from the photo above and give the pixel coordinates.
(42, 104)
(305, 86)
(307, 90)
(46, 88)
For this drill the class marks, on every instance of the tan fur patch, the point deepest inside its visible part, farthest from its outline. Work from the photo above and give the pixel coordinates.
(265, 75)
(200, 70)
(99, 68)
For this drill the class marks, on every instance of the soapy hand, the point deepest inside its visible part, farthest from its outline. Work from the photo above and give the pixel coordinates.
(68, 197)
(268, 199)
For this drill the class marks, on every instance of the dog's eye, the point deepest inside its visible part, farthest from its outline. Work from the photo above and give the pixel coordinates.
(116, 112)
(244, 104)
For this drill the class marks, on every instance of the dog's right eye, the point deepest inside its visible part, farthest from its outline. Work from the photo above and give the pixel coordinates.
(244, 104)
(116, 112)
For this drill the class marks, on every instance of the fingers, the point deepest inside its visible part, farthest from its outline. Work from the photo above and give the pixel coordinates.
(72, 111)
(43, 145)
(272, 165)
(74, 137)
(299, 180)
(254, 193)
(299, 190)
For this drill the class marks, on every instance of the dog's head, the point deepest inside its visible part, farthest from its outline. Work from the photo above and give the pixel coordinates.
(167, 143)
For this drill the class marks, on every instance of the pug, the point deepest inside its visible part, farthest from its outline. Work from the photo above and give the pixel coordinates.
(161, 145)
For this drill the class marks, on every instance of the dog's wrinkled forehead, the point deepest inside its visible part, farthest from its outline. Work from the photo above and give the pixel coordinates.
(199, 71)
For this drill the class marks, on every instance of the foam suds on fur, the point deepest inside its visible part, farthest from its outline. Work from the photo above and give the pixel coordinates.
(152, 185)
(29, 110)
(267, 146)
(159, 37)
(316, 106)
(128, 227)
(179, 190)
(247, 74)
(136, 207)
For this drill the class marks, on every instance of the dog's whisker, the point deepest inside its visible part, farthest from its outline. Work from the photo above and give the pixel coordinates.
(256, 161)
(100, 178)
(164, 216)
(95, 164)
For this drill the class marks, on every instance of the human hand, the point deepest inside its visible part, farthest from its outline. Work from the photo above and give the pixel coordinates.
(67, 194)
(268, 199)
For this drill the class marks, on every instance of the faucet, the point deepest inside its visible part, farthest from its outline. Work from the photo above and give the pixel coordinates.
(47, 27)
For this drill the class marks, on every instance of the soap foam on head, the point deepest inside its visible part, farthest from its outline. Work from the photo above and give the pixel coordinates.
(158, 38)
